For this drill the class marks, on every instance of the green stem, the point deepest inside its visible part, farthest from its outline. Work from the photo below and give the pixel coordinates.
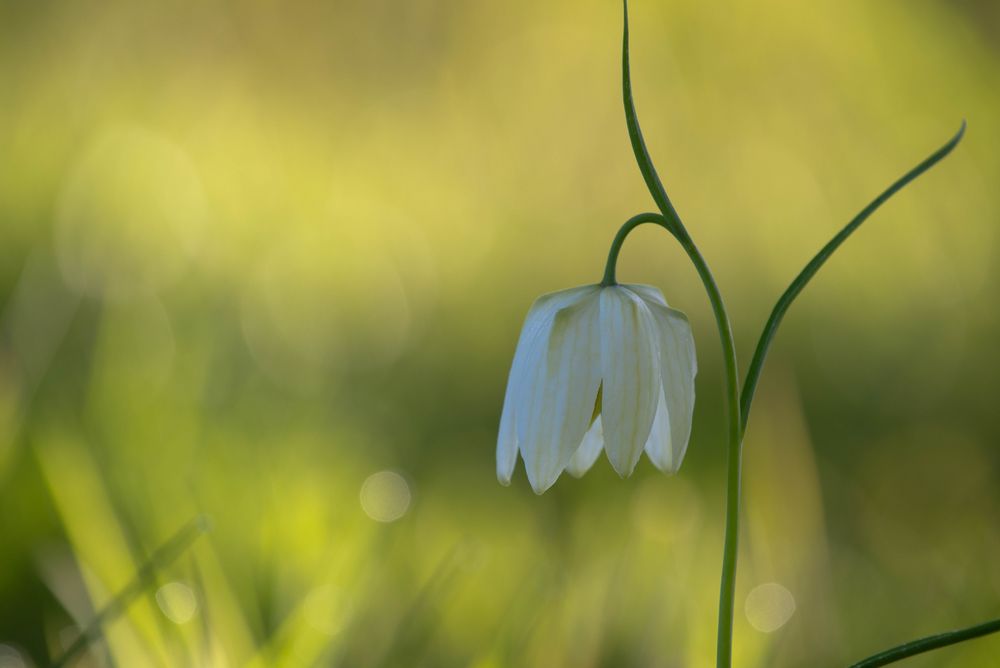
(616, 243)
(739, 404)
(927, 644)
(734, 450)
(771, 328)
(734, 460)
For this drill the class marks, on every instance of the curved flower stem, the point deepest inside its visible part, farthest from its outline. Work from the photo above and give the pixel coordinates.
(734, 454)
(771, 328)
(739, 404)
(927, 644)
(616, 244)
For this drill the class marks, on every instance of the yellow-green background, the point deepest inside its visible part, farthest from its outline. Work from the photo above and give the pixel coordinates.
(254, 252)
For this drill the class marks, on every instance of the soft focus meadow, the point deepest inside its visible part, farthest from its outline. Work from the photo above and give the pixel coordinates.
(267, 262)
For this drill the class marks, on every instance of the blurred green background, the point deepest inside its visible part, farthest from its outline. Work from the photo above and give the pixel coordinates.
(267, 261)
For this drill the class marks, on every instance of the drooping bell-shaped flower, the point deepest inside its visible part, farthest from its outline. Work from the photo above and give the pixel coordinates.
(598, 366)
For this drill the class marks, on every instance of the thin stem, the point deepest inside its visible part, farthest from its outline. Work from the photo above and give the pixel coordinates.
(771, 328)
(734, 454)
(616, 243)
(927, 644)
(649, 174)
(734, 460)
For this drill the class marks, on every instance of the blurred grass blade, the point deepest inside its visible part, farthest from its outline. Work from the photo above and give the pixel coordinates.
(414, 628)
(927, 644)
(164, 555)
(771, 328)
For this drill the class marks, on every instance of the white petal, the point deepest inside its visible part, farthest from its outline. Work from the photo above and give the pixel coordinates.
(649, 293)
(554, 406)
(659, 444)
(587, 453)
(678, 366)
(507, 434)
(536, 326)
(631, 376)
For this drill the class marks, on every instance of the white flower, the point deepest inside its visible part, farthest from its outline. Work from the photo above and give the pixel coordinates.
(598, 366)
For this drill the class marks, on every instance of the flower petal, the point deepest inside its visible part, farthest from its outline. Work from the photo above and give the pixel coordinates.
(678, 366)
(648, 293)
(659, 444)
(631, 376)
(536, 325)
(556, 402)
(587, 453)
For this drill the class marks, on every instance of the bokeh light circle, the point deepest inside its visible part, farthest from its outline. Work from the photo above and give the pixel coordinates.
(130, 215)
(177, 601)
(385, 496)
(322, 299)
(769, 606)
